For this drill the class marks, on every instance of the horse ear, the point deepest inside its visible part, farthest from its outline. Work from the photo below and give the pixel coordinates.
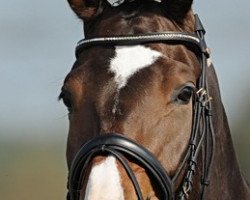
(86, 9)
(178, 8)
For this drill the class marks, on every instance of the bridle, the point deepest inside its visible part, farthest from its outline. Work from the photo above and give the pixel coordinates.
(123, 148)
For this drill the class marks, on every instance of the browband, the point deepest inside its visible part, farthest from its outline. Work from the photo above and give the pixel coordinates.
(174, 37)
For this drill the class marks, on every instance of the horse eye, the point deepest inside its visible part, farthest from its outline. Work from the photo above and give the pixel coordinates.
(65, 96)
(185, 95)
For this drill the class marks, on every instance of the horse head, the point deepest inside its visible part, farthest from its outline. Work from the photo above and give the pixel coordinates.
(143, 91)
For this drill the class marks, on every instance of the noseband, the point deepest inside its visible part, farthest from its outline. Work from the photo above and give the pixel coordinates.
(123, 148)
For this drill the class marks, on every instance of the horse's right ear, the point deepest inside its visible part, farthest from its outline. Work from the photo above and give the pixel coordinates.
(86, 9)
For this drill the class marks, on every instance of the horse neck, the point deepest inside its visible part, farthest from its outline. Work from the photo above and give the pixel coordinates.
(226, 180)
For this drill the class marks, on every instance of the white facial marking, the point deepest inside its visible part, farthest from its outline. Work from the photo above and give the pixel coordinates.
(104, 182)
(130, 59)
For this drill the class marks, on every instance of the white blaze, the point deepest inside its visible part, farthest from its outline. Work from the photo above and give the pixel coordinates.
(130, 59)
(104, 182)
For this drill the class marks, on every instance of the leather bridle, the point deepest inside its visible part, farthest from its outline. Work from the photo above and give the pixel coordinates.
(122, 148)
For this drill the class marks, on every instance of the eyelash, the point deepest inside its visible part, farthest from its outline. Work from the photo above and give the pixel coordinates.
(65, 97)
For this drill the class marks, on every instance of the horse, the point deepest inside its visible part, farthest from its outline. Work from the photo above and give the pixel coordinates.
(146, 120)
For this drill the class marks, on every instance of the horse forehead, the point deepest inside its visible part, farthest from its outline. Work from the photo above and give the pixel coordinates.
(128, 60)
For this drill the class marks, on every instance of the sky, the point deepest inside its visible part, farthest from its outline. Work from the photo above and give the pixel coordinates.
(37, 41)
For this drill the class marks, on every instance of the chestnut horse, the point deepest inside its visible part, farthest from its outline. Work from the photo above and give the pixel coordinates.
(145, 112)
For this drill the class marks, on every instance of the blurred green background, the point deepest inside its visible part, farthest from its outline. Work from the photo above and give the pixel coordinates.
(36, 52)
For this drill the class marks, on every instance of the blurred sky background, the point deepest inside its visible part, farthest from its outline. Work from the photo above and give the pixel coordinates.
(37, 41)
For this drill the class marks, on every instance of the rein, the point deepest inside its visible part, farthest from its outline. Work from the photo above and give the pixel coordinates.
(202, 134)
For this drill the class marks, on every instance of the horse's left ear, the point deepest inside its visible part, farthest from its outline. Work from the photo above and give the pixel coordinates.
(86, 9)
(178, 8)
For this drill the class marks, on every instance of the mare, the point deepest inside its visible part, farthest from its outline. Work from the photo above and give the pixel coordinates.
(145, 112)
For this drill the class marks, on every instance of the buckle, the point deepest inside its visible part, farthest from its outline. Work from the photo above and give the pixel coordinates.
(203, 97)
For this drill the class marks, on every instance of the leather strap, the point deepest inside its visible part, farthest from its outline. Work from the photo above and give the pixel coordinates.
(117, 145)
(166, 37)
